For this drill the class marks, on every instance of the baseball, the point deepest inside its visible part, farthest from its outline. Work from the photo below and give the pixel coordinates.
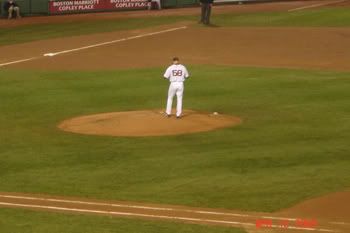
(215, 113)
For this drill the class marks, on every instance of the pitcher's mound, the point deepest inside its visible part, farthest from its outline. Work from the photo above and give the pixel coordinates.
(147, 123)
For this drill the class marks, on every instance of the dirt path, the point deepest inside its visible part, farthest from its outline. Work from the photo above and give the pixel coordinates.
(329, 218)
(319, 48)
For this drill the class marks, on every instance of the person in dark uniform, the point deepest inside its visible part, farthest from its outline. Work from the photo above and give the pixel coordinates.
(11, 6)
(206, 11)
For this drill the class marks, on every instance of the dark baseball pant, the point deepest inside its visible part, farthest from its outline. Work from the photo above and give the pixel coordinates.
(206, 10)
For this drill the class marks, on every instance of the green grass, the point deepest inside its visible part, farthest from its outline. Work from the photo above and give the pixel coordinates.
(25, 221)
(293, 144)
(327, 17)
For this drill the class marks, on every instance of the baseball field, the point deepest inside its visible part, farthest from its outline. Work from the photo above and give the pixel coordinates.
(280, 71)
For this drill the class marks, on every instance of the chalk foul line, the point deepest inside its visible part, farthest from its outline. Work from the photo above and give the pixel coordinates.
(144, 207)
(114, 41)
(51, 54)
(18, 61)
(129, 214)
(124, 213)
(205, 220)
(316, 5)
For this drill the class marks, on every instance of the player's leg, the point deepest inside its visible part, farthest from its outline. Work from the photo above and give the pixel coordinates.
(205, 13)
(202, 13)
(159, 4)
(179, 95)
(171, 94)
(16, 9)
(10, 12)
(208, 14)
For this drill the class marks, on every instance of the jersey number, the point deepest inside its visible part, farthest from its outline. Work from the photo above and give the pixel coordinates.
(177, 72)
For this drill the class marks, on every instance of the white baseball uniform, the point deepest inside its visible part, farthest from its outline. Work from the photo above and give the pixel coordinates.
(176, 74)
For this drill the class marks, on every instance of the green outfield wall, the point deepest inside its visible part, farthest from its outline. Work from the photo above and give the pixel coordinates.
(47, 7)
(42, 7)
(29, 7)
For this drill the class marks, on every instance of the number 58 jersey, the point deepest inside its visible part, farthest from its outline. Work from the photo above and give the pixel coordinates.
(176, 73)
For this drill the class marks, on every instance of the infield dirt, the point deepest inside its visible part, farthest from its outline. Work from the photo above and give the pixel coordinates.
(319, 48)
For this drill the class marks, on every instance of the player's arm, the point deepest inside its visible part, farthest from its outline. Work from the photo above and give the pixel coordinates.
(186, 74)
(167, 73)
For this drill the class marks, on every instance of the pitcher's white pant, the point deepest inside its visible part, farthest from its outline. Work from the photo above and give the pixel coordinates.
(178, 89)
